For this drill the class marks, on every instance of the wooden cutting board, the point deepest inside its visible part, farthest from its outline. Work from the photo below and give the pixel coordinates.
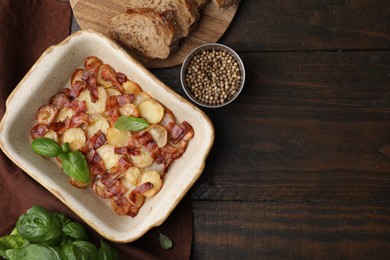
(95, 14)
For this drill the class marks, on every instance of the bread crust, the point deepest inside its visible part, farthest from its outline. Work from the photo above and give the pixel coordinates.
(150, 33)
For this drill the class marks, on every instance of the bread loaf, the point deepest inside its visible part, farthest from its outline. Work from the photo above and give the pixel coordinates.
(225, 3)
(185, 12)
(147, 31)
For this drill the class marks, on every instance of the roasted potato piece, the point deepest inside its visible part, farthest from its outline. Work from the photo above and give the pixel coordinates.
(144, 159)
(141, 97)
(98, 122)
(117, 137)
(76, 76)
(108, 155)
(152, 111)
(131, 87)
(168, 118)
(129, 110)
(99, 106)
(46, 114)
(75, 137)
(132, 175)
(52, 135)
(159, 134)
(113, 92)
(154, 178)
(64, 113)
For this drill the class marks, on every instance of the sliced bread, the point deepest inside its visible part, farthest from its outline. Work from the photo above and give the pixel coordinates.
(146, 31)
(225, 3)
(201, 3)
(185, 12)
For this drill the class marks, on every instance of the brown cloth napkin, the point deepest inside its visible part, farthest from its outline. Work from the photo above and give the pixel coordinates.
(27, 29)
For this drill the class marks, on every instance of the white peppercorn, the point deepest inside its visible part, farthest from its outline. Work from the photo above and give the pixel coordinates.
(213, 76)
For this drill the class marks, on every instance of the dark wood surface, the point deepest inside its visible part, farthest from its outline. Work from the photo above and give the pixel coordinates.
(300, 168)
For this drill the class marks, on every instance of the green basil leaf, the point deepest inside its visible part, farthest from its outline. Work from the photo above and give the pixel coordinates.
(34, 252)
(106, 252)
(38, 225)
(11, 242)
(75, 166)
(127, 123)
(46, 147)
(80, 250)
(75, 230)
(165, 241)
(65, 147)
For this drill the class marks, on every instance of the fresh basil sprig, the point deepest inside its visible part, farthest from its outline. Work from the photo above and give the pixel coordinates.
(75, 166)
(45, 234)
(46, 147)
(128, 123)
(73, 163)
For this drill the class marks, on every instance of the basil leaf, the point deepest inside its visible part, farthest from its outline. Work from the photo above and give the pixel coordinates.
(11, 242)
(34, 252)
(80, 250)
(106, 252)
(38, 225)
(46, 147)
(65, 147)
(75, 166)
(128, 123)
(75, 230)
(165, 241)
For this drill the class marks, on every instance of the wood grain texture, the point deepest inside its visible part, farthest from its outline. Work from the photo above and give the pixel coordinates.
(285, 25)
(280, 230)
(307, 126)
(300, 168)
(95, 14)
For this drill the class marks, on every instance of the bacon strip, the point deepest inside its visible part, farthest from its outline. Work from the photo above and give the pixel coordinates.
(94, 142)
(122, 78)
(90, 78)
(95, 163)
(38, 130)
(59, 100)
(79, 120)
(144, 187)
(76, 88)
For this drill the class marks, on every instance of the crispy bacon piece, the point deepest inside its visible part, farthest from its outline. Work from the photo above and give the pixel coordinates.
(76, 88)
(112, 116)
(117, 101)
(61, 126)
(145, 137)
(128, 206)
(120, 168)
(79, 120)
(144, 187)
(154, 151)
(127, 151)
(122, 78)
(38, 130)
(178, 132)
(90, 78)
(125, 99)
(114, 186)
(94, 142)
(78, 106)
(95, 163)
(60, 100)
(109, 74)
(92, 63)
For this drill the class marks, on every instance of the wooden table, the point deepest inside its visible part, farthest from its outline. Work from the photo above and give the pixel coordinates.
(300, 168)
